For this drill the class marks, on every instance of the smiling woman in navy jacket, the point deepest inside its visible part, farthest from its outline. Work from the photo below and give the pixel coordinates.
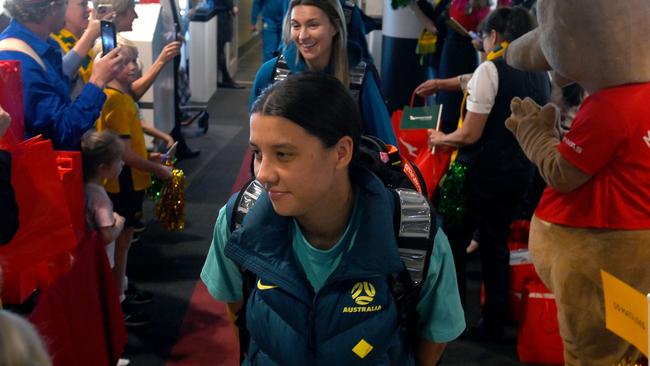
(316, 39)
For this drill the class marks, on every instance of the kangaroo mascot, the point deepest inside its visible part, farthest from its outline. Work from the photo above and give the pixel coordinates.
(595, 213)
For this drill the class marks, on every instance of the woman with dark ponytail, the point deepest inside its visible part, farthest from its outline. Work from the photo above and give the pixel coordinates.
(498, 172)
(321, 246)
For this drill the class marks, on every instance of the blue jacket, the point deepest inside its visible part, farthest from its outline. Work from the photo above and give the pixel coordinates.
(376, 121)
(272, 12)
(357, 28)
(46, 93)
(290, 324)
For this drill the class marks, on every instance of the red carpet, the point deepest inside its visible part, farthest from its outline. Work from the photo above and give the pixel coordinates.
(207, 337)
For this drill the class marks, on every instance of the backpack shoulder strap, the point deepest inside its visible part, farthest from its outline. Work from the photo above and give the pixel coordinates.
(236, 209)
(415, 227)
(414, 230)
(357, 75)
(282, 70)
(238, 206)
(348, 7)
(18, 45)
(248, 283)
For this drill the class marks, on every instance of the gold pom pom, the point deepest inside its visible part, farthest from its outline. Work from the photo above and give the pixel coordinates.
(170, 208)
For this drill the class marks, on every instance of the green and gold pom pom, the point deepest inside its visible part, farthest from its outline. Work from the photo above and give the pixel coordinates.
(452, 202)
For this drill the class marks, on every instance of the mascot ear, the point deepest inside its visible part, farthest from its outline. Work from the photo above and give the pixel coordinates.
(525, 53)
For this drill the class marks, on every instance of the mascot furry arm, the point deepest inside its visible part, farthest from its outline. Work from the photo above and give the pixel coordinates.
(534, 128)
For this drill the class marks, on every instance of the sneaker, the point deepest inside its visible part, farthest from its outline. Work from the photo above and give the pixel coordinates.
(133, 318)
(123, 362)
(139, 227)
(133, 296)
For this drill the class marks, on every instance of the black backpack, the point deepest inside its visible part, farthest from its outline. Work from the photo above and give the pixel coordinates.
(411, 207)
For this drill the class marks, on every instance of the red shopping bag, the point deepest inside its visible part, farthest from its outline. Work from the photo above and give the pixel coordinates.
(11, 100)
(71, 173)
(518, 237)
(433, 167)
(522, 270)
(40, 251)
(410, 125)
(538, 337)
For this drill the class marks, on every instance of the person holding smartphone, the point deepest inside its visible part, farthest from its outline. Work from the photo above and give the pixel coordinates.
(49, 110)
(76, 39)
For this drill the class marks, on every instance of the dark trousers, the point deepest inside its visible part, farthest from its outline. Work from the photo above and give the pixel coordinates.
(221, 62)
(490, 211)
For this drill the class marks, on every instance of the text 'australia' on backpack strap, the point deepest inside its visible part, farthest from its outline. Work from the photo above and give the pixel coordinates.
(357, 75)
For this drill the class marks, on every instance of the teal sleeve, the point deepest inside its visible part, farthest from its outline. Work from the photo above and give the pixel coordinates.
(376, 121)
(220, 274)
(442, 318)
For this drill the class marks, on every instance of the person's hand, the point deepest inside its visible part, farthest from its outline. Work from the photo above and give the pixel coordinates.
(119, 220)
(427, 88)
(107, 67)
(169, 141)
(253, 28)
(5, 121)
(155, 157)
(94, 27)
(478, 45)
(171, 50)
(431, 28)
(435, 138)
(533, 126)
(522, 112)
(163, 172)
(235, 10)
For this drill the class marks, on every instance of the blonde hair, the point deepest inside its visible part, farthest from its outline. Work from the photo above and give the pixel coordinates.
(122, 42)
(339, 56)
(118, 6)
(20, 344)
(127, 44)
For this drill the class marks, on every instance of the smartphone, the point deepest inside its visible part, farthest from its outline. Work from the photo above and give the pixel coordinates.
(171, 153)
(109, 39)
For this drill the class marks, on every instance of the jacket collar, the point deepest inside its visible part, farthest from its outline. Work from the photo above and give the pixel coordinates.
(263, 243)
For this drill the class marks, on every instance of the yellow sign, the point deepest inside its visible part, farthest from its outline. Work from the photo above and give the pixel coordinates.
(626, 311)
